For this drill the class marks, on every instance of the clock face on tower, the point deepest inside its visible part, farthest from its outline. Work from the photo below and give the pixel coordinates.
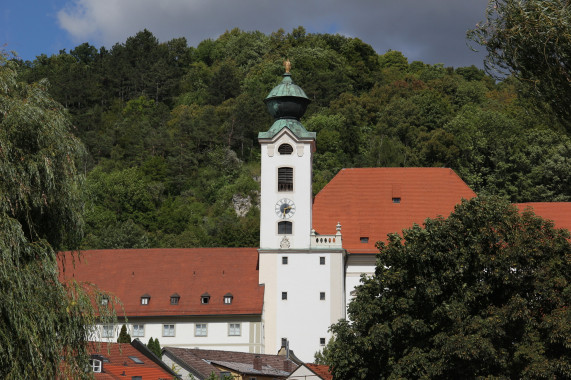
(285, 208)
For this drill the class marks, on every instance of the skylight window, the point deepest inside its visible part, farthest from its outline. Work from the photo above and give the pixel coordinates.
(136, 360)
(364, 239)
(396, 200)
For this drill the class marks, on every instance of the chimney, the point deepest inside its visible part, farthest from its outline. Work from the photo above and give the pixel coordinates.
(257, 362)
(287, 366)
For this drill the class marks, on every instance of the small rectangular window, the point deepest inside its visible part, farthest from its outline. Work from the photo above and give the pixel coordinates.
(174, 300)
(364, 239)
(285, 179)
(95, 365)
(396, 200)
(284, 295)
(168, 330)
(322, 341)
(322, 260)
(234, 329)
(200, 329)
(138, 331)
(136, 360)
(284, 260)
(322, 296)
(284, 228)
(107, 331)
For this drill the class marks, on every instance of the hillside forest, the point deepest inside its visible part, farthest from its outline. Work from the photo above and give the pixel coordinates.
(170, 130)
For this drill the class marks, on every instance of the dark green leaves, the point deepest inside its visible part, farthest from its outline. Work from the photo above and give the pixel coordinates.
(483, 293)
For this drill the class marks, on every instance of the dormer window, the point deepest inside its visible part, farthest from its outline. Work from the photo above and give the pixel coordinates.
(104, 301)
(285, 149)
(174, 299)
(285, 179)
(205, 298)
(95, 365)
(364, 239)
(145, 298)
(228, 298)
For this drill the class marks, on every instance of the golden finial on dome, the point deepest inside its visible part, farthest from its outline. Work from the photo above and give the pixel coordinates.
(287, 65)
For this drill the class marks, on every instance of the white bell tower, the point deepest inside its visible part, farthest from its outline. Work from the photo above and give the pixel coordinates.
(286, 155)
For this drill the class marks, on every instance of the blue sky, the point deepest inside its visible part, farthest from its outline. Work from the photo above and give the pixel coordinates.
(432, 31)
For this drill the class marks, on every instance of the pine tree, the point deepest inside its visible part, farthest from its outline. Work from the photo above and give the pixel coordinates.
(124, 337)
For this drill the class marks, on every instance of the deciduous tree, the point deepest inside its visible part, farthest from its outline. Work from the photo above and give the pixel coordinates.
(44, 324)
(484, 293)
(531, 39)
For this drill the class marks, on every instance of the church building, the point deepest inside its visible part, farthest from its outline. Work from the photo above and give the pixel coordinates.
(312, 252)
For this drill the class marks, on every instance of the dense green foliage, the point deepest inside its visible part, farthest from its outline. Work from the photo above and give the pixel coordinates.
(42, 321)
(484, 293)
(171, 130)
(531, 39)
(124, 336)
(155, 347)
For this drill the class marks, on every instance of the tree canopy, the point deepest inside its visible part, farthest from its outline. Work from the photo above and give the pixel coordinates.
(43, 322)
(171, 130)
(484, 293)
(531, 39)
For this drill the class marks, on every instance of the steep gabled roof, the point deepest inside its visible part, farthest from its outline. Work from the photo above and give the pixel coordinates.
(159, 273)
(117, 363)
(364, 202)
(558, 212)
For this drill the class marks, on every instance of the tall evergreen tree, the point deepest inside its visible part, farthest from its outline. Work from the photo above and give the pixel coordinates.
(124, 336)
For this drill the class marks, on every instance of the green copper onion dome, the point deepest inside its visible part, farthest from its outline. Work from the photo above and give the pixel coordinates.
(287, 100)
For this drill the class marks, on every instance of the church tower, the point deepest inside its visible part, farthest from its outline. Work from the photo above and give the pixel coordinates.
(303, 273)
(286, 155)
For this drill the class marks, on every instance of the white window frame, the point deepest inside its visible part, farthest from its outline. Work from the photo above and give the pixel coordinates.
(234, 329)
(108, 331)
(228, 300)
(144, 300)
(201, 329)
(96, 365)
(169, 330)
(139, 331)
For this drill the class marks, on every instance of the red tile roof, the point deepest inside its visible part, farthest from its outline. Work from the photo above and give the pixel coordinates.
(558, 212)
(321, 370)
(362, 201)
(118, 365)
(190, 272)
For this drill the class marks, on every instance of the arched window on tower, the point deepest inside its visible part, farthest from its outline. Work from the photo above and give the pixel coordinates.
(285, 179)
(285, 149)
(284, 228)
